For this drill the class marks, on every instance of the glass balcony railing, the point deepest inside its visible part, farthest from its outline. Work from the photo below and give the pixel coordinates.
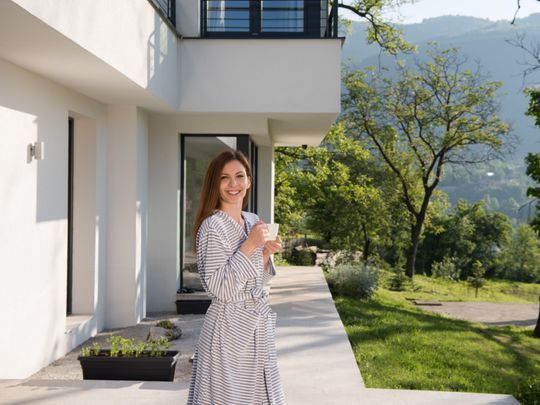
(268, 18)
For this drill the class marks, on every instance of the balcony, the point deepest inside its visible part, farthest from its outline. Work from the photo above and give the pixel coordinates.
(268, 19)
(167, 9)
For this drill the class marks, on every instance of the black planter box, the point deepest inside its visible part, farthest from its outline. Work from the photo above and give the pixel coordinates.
(104, 367)
(196, 306)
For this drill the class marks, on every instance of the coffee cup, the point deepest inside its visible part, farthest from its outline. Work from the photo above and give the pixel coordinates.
(272, 231)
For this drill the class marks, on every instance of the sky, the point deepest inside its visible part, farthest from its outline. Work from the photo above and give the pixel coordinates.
(490, 9)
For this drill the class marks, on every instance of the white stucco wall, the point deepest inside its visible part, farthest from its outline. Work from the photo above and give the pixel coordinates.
(265, 199)
(33, 212)
(129, 35)
(127, 172)
(260, 75)
(163, 213)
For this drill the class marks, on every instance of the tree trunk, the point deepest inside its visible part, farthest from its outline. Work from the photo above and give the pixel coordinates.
(413, 248)
(536, 332)
(416, 231)
(367, 244)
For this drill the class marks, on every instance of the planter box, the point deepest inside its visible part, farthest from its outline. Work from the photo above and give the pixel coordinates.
(196, 306)
(104, 367)
(192, 303)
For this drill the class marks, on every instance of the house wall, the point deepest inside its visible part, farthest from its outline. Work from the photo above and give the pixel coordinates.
(128, 35)
(259, 75)
(33, 227)
(127, 171)
(127, 167)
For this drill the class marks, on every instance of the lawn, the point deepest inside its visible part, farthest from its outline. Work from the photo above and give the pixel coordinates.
(397, 345)
(431, 288)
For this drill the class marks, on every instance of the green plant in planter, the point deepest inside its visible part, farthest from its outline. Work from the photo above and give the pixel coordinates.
(91, 350)
(115, 342)
(158, 346)
(124, 347)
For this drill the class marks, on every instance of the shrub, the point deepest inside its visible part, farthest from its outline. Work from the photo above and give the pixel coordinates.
(166, 324)
(398, 281)
(303, 257)
(477, 280)
(528, 391)
(445, 269)
(355, 280)
(338, 257)
(280, 260)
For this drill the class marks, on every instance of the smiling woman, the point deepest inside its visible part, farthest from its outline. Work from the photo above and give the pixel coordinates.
(235, 361)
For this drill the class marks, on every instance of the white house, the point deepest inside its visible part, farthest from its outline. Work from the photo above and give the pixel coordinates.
(109, 113)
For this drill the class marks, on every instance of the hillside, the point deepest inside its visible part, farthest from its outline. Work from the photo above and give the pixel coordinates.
(485, 42)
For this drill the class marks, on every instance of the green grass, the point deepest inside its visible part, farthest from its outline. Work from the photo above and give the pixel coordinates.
(399, 346)
(425, 287)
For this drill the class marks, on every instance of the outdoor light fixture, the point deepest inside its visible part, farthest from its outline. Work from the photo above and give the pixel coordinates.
(37, 150)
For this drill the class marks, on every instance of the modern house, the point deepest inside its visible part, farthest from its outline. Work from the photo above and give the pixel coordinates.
(109, 113)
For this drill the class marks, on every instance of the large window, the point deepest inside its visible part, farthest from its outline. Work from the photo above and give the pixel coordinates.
(197, 152)
(282, 16)
(266, 18)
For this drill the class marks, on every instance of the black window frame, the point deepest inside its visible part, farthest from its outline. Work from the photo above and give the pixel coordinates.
(312, 23)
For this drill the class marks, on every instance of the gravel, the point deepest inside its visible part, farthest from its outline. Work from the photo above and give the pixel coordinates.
(68, 367)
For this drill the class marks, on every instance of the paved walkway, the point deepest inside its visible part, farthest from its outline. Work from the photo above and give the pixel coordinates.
(491, 313)
(315, 359)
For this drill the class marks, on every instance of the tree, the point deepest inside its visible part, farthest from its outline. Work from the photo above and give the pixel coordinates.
(387, 36)
(467, 234)
(289, 211)
(477, 279)
(520, 259)
(533, 159)
(439, 114)
(338, 197)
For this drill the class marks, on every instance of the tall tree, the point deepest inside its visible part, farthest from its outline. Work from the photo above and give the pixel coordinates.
(533, 159)
(440, 113)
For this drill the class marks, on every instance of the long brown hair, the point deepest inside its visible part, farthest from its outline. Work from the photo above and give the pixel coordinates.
(209, 200)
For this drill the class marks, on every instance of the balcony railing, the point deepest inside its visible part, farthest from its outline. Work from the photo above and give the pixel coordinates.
(267, 18)
(167, 8)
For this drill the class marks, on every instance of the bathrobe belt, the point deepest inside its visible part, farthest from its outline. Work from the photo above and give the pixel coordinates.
(256, 298)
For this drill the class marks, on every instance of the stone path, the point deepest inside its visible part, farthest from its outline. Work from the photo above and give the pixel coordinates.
(490, 313)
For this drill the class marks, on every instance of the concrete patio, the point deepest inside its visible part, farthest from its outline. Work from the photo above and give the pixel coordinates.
(315, 358)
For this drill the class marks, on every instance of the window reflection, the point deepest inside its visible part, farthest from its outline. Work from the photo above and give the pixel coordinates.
(282, 15)
(227, 15)
(198, 152)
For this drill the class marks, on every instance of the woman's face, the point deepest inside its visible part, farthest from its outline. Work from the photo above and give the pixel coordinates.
(233, 183)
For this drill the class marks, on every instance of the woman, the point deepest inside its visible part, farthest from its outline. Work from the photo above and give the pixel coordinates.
(235, 360)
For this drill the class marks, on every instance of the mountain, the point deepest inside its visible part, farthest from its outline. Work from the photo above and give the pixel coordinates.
(480, 40)
(485, 42)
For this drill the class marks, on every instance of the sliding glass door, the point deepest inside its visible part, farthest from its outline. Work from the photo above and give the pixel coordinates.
(197, 151)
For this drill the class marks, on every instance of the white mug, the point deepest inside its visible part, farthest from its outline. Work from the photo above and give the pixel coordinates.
(272, 231)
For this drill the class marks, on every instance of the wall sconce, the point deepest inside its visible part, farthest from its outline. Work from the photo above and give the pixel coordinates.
(37, 150)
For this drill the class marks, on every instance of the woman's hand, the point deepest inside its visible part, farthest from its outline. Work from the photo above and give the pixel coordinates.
(256, 238)
(272, 246)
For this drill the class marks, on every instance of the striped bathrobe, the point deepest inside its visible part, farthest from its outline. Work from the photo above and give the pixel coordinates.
(235, 359)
